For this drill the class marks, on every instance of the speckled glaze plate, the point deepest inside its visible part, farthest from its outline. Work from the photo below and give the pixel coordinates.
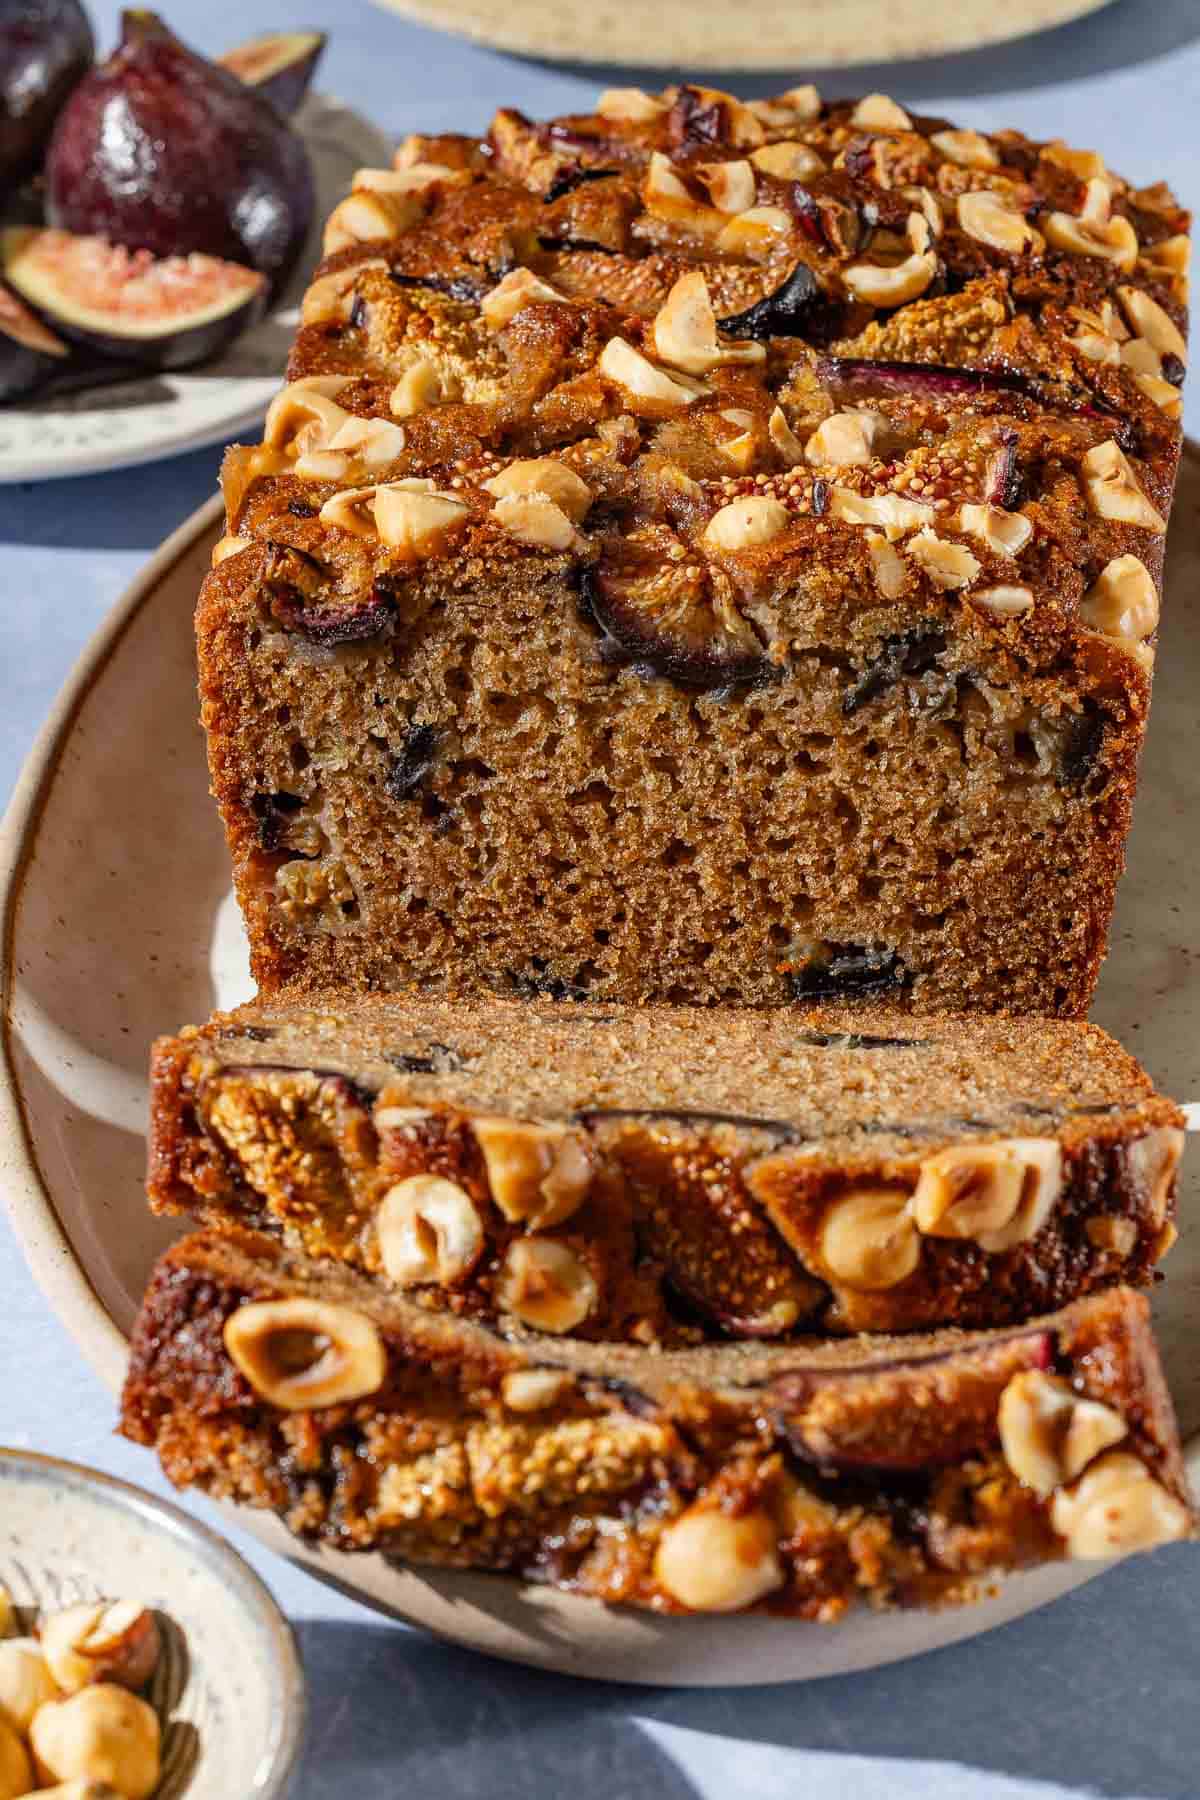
(143, 420)
(770, 34)
(228, 1689)
(119, 924)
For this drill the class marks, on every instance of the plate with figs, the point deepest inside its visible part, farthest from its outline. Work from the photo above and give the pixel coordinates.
(108, 949)
(144, 316)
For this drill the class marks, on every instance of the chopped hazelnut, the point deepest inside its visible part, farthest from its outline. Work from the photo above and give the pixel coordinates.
(1115, 1508)
(1170, 261)
(685, 331)
(538, 1174)
(631, 103)
(227, 546)
(103, 1733)
(1113, 488)
(535, 520)
(731, 185)
(1007, 533)
(25, 1682)
(804, 103)
(1006, 602)
(628, 368)
(890, 511)
(742, 524)
(1149, 320)
(1165, 395)
(876, 112)
(536, 1390)
(948, 566)
(1095, 232)
(421, 386)
(16, 1771)
(367, 215)
(844, 440)
(887, 566)
(788, 161)
(1154, 1159)
(713, 1562)
(754, 232)
(302, 405)
(1122, 601)
(868, 1239)
(105, 1640)
(328, 299)
(373, 443)
(998, 1195)
(351, 510)
(1049, 1433)
(784, 438)
(517, 289)
(545, 1285)
(984, 216)
(969, 149)
(876, 285)
(411, 178)
(411, 516)
(300, 1354)
(545, 476)
(428, 1230)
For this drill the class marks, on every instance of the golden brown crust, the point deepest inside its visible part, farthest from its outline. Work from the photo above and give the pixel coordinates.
(709, 1156)
(602, 1469)
(897, 741)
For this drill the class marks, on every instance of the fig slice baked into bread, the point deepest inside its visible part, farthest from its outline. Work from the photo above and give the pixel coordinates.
(665, 1175)
(705, 553)
(794, 1479)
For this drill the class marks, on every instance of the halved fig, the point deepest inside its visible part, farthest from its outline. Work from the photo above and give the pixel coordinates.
(46, 47)
(799, 308)
(166, 314)
(674, 615)
(938, 379)
(29, 350)
(279, 64)
(846, 1421)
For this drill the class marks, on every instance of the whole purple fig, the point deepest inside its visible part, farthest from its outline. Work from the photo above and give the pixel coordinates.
(160, 150)
(46, 46)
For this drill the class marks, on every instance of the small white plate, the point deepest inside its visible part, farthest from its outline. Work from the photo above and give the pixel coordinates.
(114, 888)
(154, 416)
(228, 1689)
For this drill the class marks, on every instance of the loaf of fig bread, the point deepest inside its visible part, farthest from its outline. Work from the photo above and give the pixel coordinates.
(705, 552)
(788, 1478)
(665, 1175)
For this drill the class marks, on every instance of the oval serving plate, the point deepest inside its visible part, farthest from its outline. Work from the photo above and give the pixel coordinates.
(119, 925)
(772, 34)
(228, 1688)
(120, 424)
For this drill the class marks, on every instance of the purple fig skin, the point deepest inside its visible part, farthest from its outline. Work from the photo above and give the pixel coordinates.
(29, 351)
(279, 65)
(46, 47)
(159, 150)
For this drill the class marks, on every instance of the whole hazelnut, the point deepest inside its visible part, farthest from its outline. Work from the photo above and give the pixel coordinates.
(25, 1682)
(101, 1640)
(102, 1733)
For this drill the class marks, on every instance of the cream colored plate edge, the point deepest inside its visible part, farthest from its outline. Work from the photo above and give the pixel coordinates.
(117, 924)
(774, 34)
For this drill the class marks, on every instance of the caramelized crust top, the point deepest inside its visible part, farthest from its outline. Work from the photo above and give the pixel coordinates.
(706, 354)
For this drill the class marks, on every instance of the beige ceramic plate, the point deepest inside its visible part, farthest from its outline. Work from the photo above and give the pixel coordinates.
(228, 1689)
(119, 925)
(770, 34)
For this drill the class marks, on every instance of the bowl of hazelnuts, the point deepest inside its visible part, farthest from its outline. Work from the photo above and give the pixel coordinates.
(140, 1657)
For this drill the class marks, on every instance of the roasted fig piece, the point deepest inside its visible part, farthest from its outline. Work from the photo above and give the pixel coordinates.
(281, 65)
(677, 618)
(823, 971)
(46, 46)
(29, 350)
(161, 151)
(800, 308)
(166, 314)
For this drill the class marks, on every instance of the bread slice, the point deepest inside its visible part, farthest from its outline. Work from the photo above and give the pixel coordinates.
(705, 553)
(663, 1175)
(789, 1478)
